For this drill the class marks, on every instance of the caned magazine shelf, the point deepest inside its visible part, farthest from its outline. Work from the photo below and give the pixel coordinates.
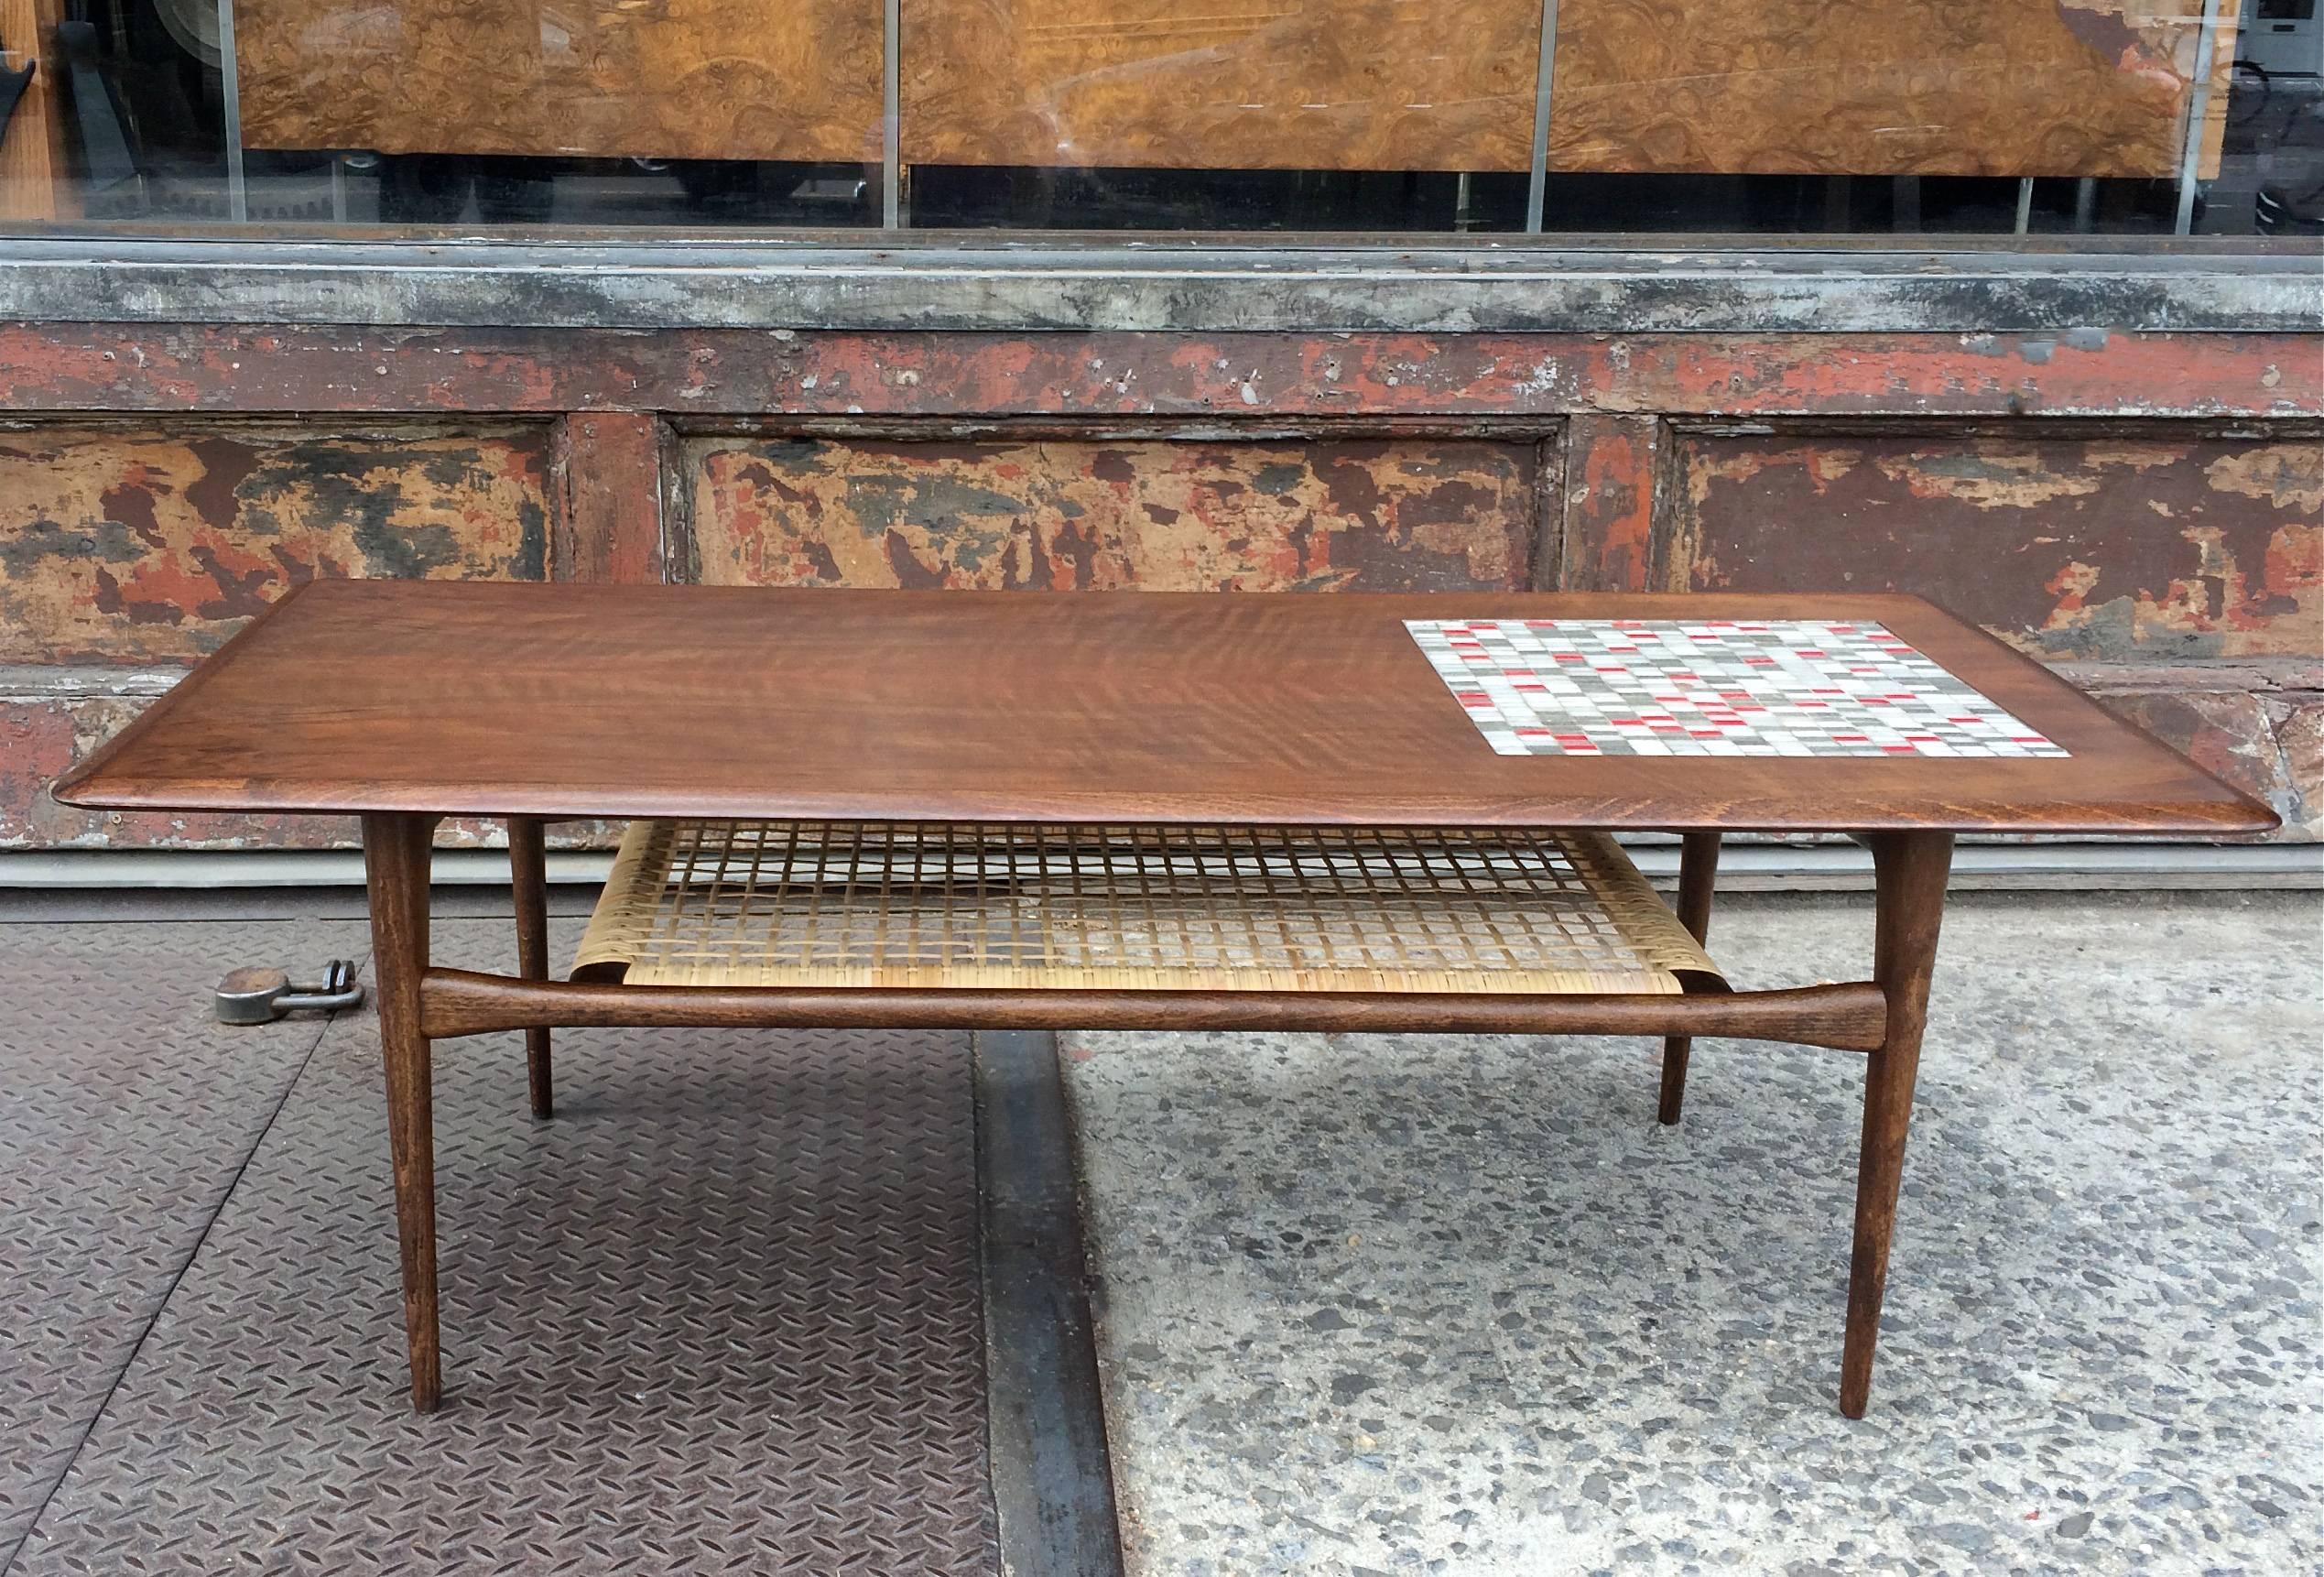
(1134, 907)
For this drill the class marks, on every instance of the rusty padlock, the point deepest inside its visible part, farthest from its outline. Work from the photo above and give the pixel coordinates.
(263, 995)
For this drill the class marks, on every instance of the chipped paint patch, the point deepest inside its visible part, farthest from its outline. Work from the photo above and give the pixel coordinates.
(2093, 547)
(72, 367)
(135, 546)
(1092, 515)
(2288, 476)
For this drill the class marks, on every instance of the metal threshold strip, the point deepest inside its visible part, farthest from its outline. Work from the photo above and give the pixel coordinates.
(1052, 1475)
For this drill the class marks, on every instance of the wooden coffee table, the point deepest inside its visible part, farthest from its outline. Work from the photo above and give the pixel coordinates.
(1144, 811)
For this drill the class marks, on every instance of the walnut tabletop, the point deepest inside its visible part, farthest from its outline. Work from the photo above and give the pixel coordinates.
(1008, 707)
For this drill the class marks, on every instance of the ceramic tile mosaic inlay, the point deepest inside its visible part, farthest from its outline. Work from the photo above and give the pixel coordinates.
(1673, 687)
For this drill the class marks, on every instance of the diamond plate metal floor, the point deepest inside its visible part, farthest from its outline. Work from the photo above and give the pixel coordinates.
(124, 1113)
(722, 1315)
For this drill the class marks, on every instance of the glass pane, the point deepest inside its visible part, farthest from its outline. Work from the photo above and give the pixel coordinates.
(1920, 116)
(2271, 179)
(1739, 117)
(445, 112)
(1336, 115)
(1908, 87)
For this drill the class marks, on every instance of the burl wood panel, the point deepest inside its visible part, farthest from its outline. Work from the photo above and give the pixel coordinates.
(1405, 515)
(2105, 549)
(126, 546)
(1254, 84)
(666, 79)
(1881, 87)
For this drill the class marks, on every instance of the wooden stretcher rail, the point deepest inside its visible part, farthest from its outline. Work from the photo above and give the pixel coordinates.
(1847, 1017)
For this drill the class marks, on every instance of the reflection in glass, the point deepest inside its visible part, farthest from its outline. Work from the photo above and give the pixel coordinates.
(1706, 117)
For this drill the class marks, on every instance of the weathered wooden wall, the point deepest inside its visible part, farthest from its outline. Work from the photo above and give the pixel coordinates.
(2116, 547)
(1193, 516)
(2142, 511)
(127, 545)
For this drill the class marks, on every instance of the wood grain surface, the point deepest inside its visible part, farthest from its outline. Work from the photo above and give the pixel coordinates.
(669, 78)
(1904, 87)
(1845, 1018)
(35, 154)
(1250, 84)
(1154, 707)
(1998, 87)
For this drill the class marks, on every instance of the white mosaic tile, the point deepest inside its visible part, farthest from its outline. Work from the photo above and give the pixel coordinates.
(1717, 687)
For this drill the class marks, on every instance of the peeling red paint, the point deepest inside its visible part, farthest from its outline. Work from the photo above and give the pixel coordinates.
(2055, 543)
(84, 367)
(2294, 565)
(1610, 510)
(155, 546)
(1075, 515)
(607, 524)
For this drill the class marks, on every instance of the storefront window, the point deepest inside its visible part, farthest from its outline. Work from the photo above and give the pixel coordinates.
(2132, 117)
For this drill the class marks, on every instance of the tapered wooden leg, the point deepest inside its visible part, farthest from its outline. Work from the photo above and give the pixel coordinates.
(1698, 874)
(396, 866)
(1911, 869)
(529, 875)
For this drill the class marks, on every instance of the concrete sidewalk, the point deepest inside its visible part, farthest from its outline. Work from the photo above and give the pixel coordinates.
(1403, 1304)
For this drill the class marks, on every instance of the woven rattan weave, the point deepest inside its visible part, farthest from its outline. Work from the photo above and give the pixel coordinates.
(1216, 909)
